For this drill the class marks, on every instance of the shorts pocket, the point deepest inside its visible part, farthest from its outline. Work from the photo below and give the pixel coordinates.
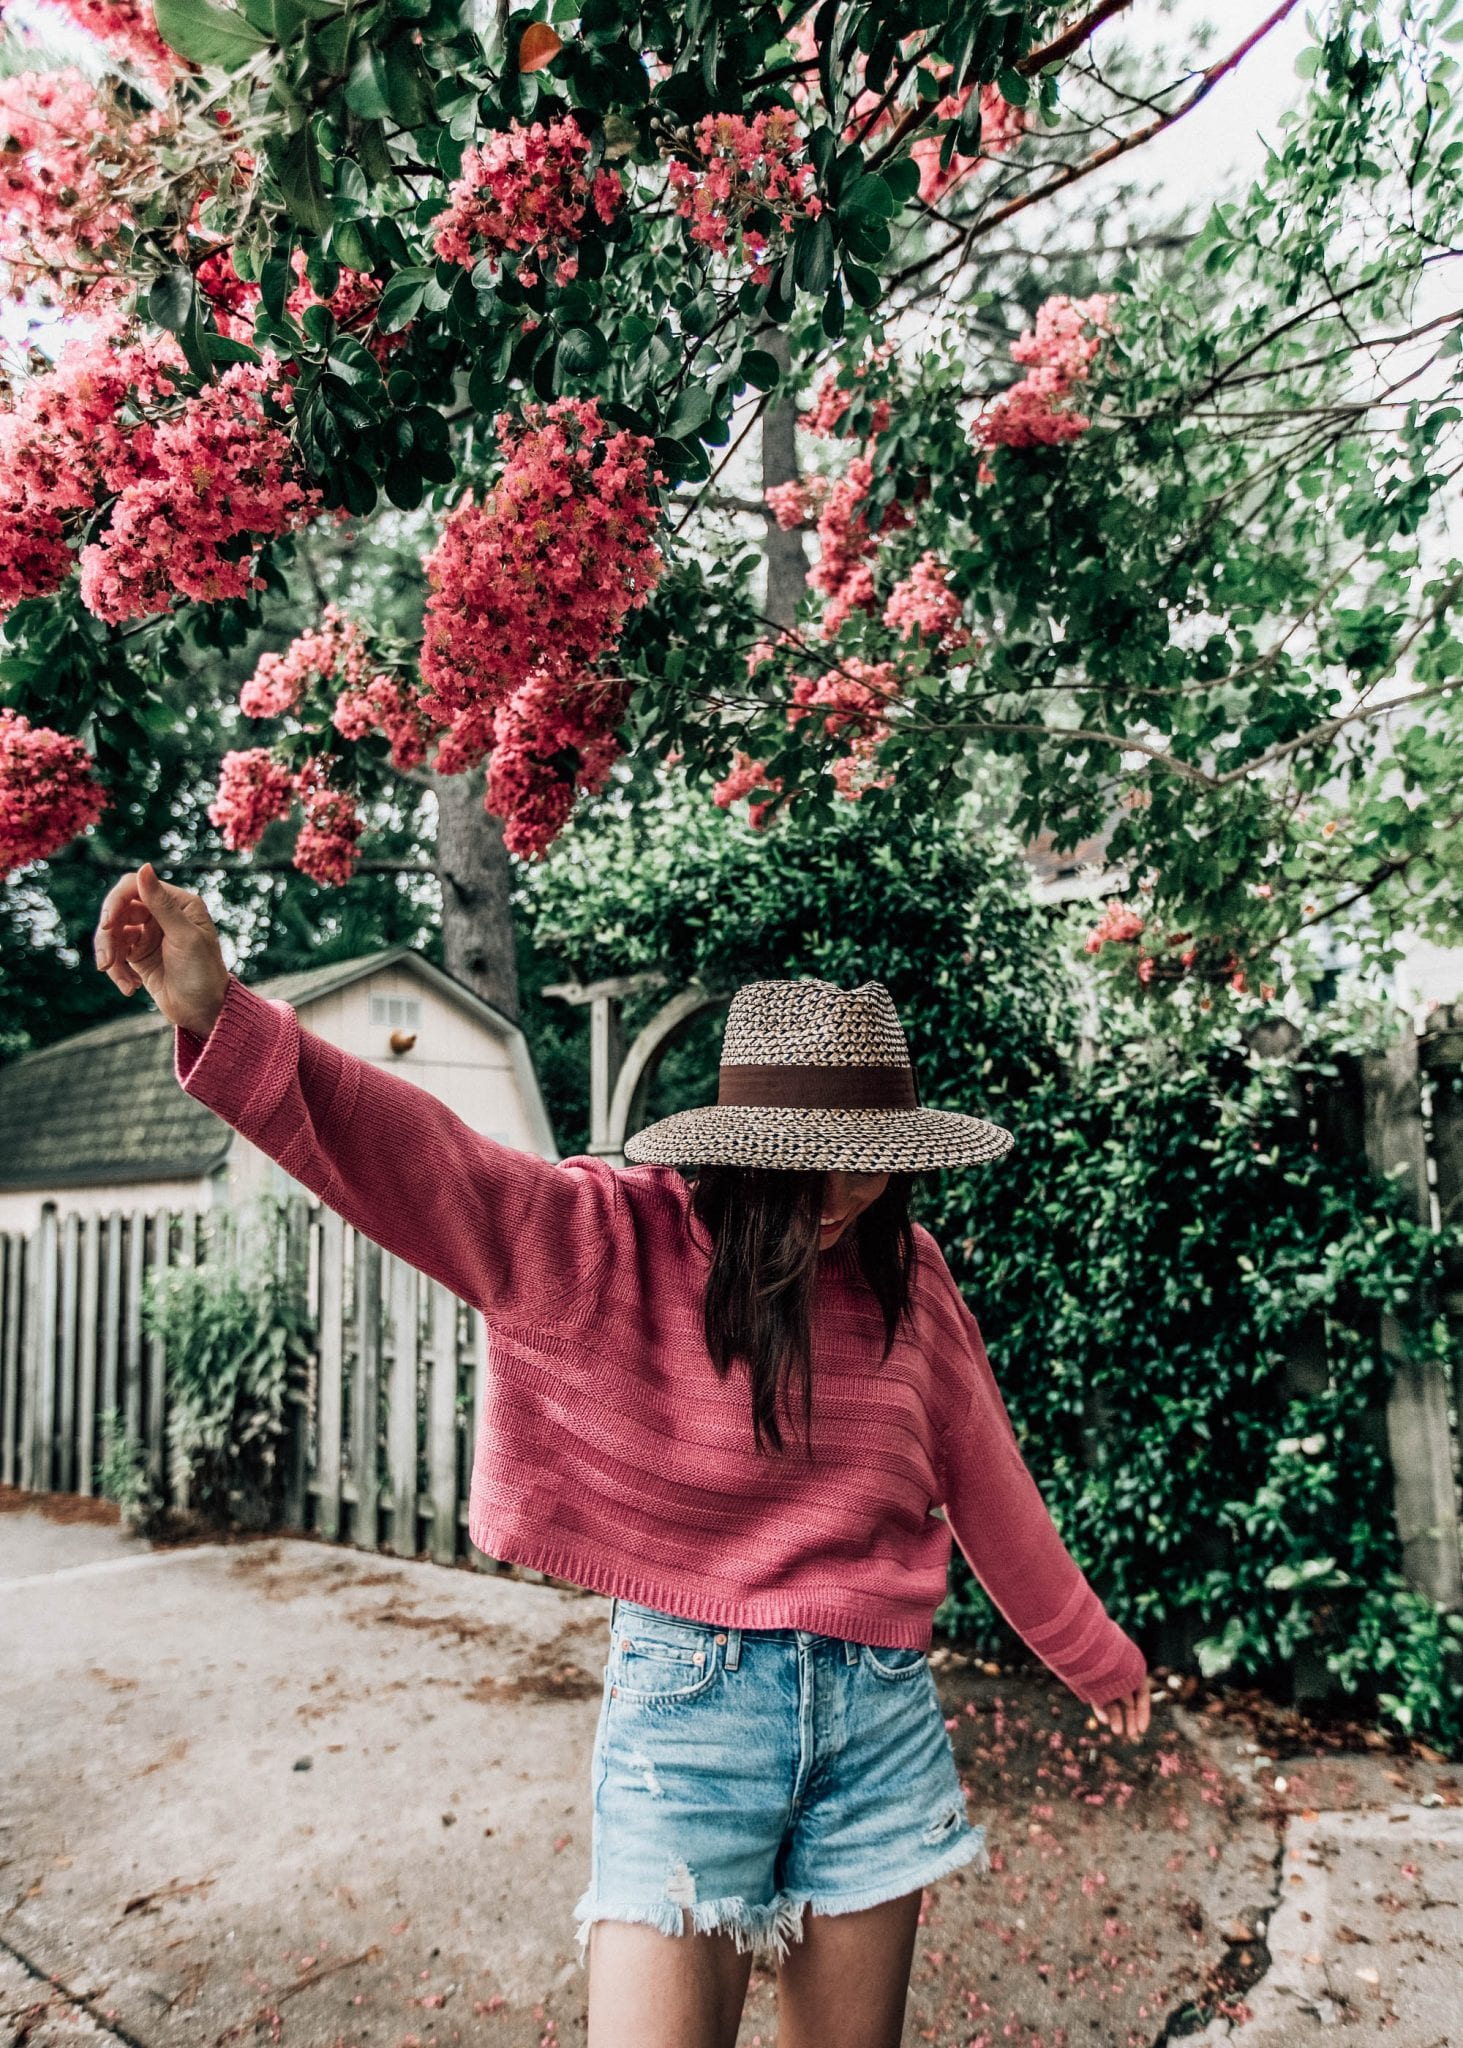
(895, 1664)
(662, 1660)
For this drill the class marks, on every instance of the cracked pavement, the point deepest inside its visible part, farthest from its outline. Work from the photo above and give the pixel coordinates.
(279, 1790)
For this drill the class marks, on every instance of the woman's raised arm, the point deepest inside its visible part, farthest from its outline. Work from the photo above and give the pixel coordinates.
(1001, 1523)
(513, 1234)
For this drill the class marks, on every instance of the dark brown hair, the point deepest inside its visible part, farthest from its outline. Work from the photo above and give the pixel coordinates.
(761, 1289)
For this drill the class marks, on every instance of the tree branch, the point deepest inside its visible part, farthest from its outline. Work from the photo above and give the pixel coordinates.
(1071, 173)
(1072, 38)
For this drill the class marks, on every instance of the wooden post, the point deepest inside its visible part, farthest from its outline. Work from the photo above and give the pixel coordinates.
(366, 1394)
(1417, 1406)
(14, 1247)
(111, 1327)
(66, 1361)
(481, 1365)
(158, 1228)
(332, 1362)
(606, 1043)
(401, 1412)
(295, 1258)
(1441, 1053)
(132, 1328)
(442, 1423)
(40, 1358)
(86, 1356)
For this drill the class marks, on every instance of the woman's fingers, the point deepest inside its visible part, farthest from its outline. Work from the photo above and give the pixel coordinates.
(118, 901)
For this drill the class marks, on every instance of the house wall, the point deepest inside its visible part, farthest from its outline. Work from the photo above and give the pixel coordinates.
(460, 1061)
(463, 1062)
(20, 1209)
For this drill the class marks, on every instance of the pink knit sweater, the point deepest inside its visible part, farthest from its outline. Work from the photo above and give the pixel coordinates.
(609, 1452)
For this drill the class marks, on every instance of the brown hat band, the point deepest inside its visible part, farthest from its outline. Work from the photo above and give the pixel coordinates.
(784, 1086)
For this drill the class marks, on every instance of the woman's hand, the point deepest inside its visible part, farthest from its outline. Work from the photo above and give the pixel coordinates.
(1129, 1714)
(152, 935)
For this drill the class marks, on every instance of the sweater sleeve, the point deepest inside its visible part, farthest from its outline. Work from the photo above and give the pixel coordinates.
(511, 1234)
(1002, 1525)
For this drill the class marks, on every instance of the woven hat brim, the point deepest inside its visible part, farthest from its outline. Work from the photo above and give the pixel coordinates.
(819, 1140)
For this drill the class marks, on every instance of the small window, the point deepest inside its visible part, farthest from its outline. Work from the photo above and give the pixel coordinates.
(399, 1012)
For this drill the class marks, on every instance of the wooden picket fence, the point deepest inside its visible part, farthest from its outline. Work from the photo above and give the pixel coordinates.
(379, 1452)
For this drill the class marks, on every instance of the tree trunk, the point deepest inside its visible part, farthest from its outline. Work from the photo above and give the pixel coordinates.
(787, 557)
(477, 918)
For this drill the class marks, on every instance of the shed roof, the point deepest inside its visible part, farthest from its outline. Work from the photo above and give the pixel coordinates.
(103, 1106)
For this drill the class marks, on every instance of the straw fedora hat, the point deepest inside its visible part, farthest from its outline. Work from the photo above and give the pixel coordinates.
(817, 1078)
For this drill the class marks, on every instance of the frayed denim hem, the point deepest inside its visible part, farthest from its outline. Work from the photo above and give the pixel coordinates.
(764, 1931)
(768, 1931)
(967, 1851)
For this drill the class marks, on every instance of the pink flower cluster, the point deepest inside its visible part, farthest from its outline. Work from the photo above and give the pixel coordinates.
(922, 603)
(1001, 128)
(551, 741)
(744, 168)
(223, 477)
(63, 444)
(48, 793)
(1117, 926)
(525, 194)
(855, 700)
(1059, 350)
(832, 400)
(843, 570)
(352, 304)
(255, 788)
(67, 147)
(542, 573)
(127, 28)
(335, 651)
(744, 777)
(325, 845)
(384, 704)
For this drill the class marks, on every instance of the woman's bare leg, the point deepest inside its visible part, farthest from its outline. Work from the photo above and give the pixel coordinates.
(654, 1990)
(847, 1980)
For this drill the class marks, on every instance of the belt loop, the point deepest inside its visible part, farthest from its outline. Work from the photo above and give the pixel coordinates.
(850, 1651)
(733, 1649)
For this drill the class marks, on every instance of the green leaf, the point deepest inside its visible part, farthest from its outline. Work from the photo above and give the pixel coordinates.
(170, 301)
(401, 300)
(300, 182)
(348, 245)
(863, 285)
(871, 196)
(366, 91)
(760, 368)
(207, 34)
(902, 178)
(583, 350)
(691, 410)
(813, 268)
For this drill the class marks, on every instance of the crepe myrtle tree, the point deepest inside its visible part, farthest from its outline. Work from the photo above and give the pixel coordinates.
(1163, 524)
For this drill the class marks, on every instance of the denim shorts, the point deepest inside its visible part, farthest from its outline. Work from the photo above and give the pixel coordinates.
(741, 1775)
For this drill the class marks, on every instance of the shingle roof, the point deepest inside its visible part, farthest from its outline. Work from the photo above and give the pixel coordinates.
(103, 1106)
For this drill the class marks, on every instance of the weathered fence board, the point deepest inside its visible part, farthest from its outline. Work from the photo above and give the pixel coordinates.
(330, 1397)
(89, 1305)
(400, 1284)
(14, 1271)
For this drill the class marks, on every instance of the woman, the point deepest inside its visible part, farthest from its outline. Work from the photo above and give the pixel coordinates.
(732, 1405)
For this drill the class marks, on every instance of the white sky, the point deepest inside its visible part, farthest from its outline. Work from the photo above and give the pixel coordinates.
(1211, 150)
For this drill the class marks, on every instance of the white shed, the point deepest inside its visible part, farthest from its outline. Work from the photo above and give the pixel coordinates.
(98, 1122)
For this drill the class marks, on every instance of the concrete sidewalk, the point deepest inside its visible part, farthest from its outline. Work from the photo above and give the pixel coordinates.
(282, 1791)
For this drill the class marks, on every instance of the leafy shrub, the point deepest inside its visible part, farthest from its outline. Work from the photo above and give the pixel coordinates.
(1180, 1285)
(234, 1341)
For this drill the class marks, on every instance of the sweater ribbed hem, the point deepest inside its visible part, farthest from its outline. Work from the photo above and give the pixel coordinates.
(597, 1573)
